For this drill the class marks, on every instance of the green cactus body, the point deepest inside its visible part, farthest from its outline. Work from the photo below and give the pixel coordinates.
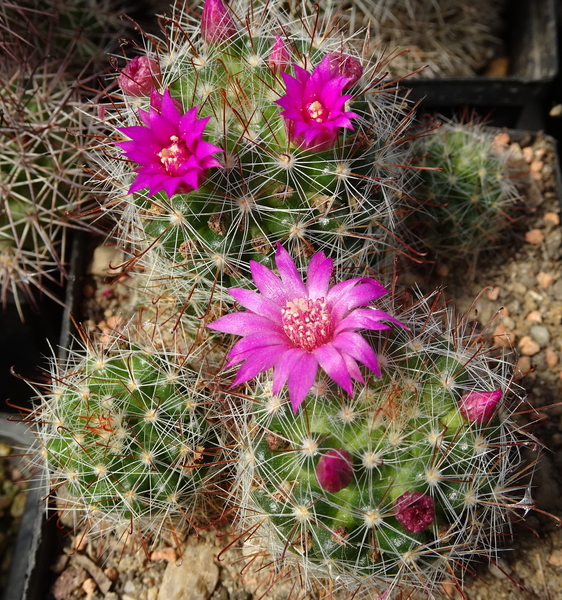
(467, 191)
(130, 438)
(344, 200)
(405, 434)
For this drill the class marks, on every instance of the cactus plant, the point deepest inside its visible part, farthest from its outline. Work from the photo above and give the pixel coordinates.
(399, 487)
(42, 138)
(312, 143)
(466, 191)
(127, 437)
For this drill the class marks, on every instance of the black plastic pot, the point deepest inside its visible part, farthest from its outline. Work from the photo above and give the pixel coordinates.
(36, 540)
(531, 40)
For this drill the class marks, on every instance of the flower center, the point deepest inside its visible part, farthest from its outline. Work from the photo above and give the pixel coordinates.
(173, 156)
(316, 111)
(307, 323)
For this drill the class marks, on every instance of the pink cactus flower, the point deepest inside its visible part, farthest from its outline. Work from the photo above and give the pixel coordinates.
(279, 58)
(170, 149)
(334, 470)
(415, 511)
(479, 407)
(217, 24)
(314, 106)
(140, 76)
(297, 327)
(346, 65)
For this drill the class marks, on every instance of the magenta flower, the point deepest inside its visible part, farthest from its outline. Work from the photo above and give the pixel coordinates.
(296, 327)
(414, 511)
(479, 407)
(334, 470)
(217, 24)
(314, 105)
(170, 149)
(140, 76)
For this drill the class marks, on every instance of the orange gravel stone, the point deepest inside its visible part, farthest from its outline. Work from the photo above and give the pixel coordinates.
(503, 336)
(551, 357)
(528, 346)
(534, 236)
(534, 316)
(545, 279)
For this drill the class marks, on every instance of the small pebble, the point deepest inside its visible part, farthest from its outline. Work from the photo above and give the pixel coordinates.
(555, 559)
(5, 449)
(111, 573)
(129, 587)
(536, 167)
(545, 279)
(523, 365)
(89, 586)
(534, 316)
(508, 322)
(534, 236)
(127, 597)
(111, 596)
(528, 346)
(168, 554)
(540, 334)
(552, 217)
(503, 336)
(528, 154)
(501, 140)
(551, 358)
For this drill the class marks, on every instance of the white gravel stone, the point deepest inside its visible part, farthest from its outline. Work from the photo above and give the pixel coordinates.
(540, 334)
(194, 579)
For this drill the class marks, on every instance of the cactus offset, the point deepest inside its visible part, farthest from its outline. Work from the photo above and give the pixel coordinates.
(467, 193)
(395, 488)
(126, 431)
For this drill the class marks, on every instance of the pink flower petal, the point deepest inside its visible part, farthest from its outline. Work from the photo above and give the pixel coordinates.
(301, 379)
(361, 294)
(258, 304)
(366, 318)
(318, 276)
(245, 323)
(268, 283)
(287, 362)
(334, 366)
(356, 346)
(292, 282)
(257, 363)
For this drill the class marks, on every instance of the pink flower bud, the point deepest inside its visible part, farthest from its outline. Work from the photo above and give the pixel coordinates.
(217, 24)
(346, 65)
(156, 101)
(140, 76)
(479, 407)
(280, 58)
(414, 511)
(335, 470)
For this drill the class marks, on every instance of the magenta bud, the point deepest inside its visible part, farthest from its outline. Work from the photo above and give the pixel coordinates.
(140, 76)
(414, 511)
(346, 65)
(479, 407)
(280, 58)
(217, 24)
(334, 470)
